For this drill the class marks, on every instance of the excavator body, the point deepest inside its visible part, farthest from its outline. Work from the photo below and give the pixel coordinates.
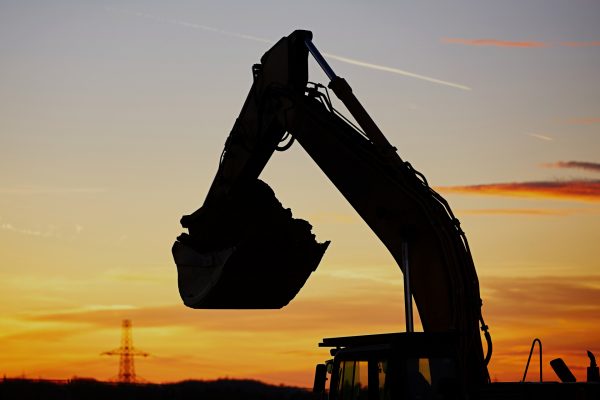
(421, 366)
(244, 250)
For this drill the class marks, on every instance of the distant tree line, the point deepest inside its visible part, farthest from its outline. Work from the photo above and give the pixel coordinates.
(84, 389)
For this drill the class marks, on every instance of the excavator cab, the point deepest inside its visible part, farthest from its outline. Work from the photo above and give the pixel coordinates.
(415, 365)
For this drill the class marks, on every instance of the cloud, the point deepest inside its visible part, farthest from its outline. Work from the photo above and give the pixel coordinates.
(146, 276)
(52, 231)
(48, 231)
(364, 276)
(576, 190)
(330, 311)
(300, 316)
(32, 190)
(584, 121)
(192, 25)
(493, 43)
(520, 44)
(544, 297)
(518, 211)
(594, 43)
(563, 311)
(42, 335)
(540, 136)
(346, 60)
(333, 218)
(588, 166)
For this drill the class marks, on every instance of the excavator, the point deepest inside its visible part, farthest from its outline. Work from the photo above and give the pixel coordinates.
(244, 250)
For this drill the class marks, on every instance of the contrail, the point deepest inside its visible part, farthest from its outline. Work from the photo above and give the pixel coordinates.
(539, 136)
(267, 41)
(396, 71)
(191, 25)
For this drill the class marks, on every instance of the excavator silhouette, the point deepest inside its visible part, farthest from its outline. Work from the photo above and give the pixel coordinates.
(244, 250)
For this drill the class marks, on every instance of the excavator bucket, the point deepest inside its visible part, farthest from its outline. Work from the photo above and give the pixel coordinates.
(246, 252)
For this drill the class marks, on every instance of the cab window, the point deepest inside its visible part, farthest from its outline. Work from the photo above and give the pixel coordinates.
(353, 380)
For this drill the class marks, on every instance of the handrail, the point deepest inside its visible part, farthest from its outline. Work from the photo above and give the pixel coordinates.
(529, 358)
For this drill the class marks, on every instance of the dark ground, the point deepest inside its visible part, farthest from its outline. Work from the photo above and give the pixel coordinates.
(84, 389)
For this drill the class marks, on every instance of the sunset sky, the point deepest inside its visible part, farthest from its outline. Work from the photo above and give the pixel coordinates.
(113, 115)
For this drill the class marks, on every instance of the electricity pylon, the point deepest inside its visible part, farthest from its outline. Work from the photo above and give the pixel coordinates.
(126, 354)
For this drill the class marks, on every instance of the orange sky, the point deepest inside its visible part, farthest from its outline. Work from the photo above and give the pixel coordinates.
(112, 122)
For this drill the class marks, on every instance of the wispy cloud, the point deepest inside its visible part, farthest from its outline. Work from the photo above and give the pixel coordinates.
(493, 42)
(192, 25)
(49, 232)
(517, 44)
(521, 211)
(544, 296)
(305, 314)
(577, 190)
(347, 60)
(333, 218)
(149, 275)
(540, 136)
(583, 121)
(588, 166)
(562, 310)
(594, 43)
(362, 276)
(297, 317)
(34, 190)
(43, 335)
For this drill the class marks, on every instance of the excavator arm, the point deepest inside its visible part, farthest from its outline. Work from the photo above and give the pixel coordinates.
(244, 250)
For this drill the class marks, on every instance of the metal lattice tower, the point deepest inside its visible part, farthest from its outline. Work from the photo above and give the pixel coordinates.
(126, 354)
